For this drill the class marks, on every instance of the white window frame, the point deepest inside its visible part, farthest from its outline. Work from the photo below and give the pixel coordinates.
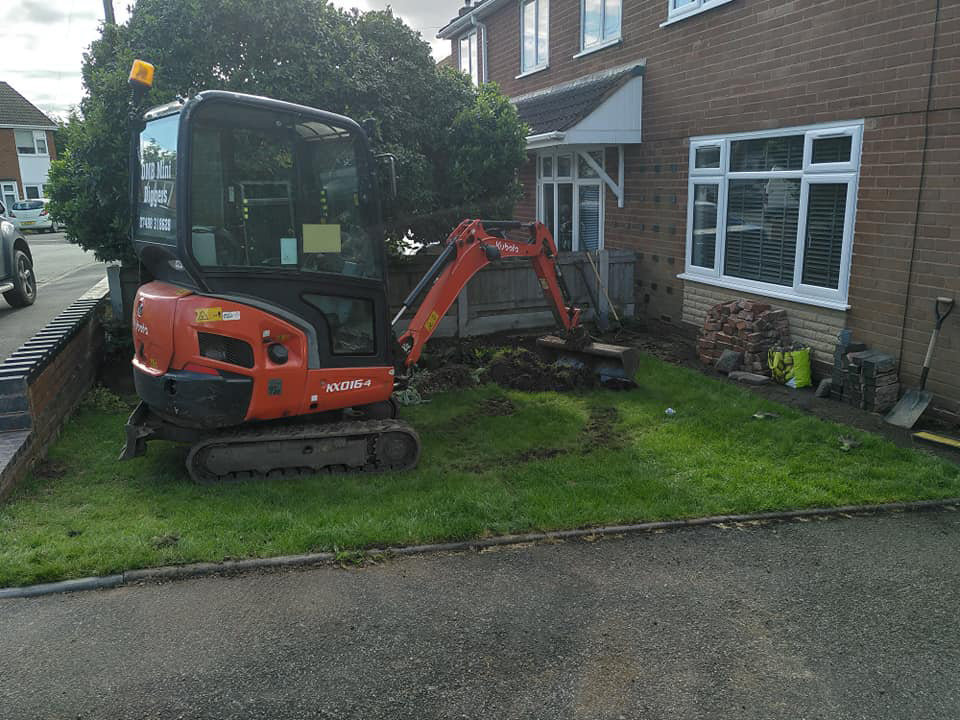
(473, 55)
(37, 135)
(7, 186)
(677, 12)
(26, 191)
(810, 174)
(603, 41)
(540, 6)
(577, 182)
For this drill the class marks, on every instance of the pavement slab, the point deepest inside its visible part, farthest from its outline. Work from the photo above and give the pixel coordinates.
(850, 618)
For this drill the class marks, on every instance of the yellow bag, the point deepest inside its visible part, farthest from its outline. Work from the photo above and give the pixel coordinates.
(791, 367)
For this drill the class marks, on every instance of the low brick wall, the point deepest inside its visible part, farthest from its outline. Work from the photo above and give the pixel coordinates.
(809, 325)
(44, 381)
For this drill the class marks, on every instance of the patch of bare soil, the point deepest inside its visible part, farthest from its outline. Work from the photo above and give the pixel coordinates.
(521, 369)
(49, 469)
(600, 430)
(449, 377)
(497, 407)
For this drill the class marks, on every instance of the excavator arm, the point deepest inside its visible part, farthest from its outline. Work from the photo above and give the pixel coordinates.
(472, 246)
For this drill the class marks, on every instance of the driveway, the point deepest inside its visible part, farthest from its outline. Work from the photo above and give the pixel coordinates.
(64, 273)
(836, 619)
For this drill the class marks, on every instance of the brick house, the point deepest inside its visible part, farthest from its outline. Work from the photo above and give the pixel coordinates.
(763, 122)
(26, 147)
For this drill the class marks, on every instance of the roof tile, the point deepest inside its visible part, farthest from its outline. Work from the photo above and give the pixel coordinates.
(15, 109)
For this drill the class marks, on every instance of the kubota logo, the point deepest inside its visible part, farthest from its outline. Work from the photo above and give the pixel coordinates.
(507, 248)
(348, 385)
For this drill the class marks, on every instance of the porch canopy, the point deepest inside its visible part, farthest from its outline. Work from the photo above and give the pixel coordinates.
(600, 109)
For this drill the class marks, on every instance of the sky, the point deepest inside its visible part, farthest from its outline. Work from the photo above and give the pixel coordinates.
(44, 40)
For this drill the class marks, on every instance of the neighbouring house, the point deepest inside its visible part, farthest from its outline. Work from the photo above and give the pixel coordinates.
(26, 147)
(805, 153)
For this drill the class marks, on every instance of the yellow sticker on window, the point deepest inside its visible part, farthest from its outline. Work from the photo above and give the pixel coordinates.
(209, 314)
(432, 321)
(321, 239)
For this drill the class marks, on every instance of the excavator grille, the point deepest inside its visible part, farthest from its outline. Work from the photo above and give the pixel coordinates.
(226, 349)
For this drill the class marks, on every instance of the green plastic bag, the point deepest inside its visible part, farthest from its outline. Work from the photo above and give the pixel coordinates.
(791, 367)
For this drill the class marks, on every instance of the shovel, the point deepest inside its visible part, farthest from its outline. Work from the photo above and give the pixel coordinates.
(911, 406)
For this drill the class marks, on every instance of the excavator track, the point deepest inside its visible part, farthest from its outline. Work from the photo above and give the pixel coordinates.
(364, 446)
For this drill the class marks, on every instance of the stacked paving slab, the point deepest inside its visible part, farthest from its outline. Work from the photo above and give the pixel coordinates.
(744, 326)
(864, 378)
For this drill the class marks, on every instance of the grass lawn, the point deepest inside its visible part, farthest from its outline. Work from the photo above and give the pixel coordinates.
(494, 461)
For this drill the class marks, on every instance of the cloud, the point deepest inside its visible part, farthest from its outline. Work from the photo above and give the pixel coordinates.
(39, 12)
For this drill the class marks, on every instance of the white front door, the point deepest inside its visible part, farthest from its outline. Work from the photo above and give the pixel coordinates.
(8, 190)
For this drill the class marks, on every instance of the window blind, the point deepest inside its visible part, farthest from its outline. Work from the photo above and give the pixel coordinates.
(823, 245)
(762, 219)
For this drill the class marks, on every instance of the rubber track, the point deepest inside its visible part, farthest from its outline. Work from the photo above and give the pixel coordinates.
(374, 429)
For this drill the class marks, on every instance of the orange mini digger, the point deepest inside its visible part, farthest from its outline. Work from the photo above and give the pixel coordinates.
(265, 340)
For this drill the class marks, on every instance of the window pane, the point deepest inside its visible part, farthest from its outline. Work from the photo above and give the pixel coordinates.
(40, 138)
(465, 55)
(831, 150)
(543, 30)
(565, 216)
(589, 217)
(707, 157)
(547, 208)
(611, 19)
(547, 166)
(677, 4)
(762, 218)
(777, 153)
(33, 192)
(592, 18)
(563, 166)
(583, 168)
(704, 225)
(474, 60)
(826, 217)
(349, 322)
(24, 140)
(529, 35)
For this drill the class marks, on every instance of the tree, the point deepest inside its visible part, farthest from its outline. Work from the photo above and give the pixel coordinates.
(458, 147)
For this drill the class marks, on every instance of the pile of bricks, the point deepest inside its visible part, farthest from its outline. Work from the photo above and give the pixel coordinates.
(743, 326)
(864, 378)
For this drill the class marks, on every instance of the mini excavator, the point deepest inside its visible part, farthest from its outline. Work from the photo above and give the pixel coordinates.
(265, 340)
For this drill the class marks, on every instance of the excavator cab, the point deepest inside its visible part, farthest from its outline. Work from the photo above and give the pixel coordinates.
(263, 202)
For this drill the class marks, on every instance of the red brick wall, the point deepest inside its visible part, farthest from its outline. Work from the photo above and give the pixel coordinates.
(9, 162)
(759, 64)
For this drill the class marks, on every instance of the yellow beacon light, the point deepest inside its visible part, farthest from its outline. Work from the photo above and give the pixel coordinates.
(141, 73)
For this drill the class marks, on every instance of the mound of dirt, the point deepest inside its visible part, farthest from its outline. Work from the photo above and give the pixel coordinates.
(521, 369)
(497, 407)
(449, 377)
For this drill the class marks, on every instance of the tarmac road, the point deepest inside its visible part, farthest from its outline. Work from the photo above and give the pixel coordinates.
(836, 619)
(64, 273)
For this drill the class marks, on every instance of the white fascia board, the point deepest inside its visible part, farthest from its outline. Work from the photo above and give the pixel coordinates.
(544, 140)
(465, 21)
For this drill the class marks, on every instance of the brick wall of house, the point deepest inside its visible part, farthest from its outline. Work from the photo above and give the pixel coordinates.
(761, 64)
(9, 162)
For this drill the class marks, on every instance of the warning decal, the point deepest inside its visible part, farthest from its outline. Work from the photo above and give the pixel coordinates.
(209, 314)
(432, 321)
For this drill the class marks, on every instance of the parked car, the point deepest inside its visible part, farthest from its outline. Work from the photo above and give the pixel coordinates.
(33, 215)
(18, 283)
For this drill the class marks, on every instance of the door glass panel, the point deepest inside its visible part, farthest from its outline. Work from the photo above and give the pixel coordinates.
(349, 322)
(704, 225)
(565, 216)
(583, 168)
(589, 200)
(547, 207)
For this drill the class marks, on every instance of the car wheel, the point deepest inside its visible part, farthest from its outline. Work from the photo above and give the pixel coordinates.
(24, 281)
